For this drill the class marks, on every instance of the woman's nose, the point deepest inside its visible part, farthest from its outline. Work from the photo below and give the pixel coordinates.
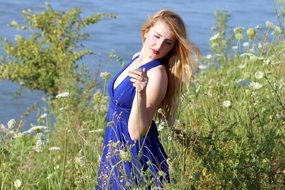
(159, 44)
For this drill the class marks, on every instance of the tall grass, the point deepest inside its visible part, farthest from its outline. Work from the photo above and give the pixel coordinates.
(229, 132)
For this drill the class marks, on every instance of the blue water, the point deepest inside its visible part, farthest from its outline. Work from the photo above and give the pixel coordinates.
(123, 34)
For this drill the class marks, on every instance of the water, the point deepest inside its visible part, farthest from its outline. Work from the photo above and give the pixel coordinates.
(123, 34)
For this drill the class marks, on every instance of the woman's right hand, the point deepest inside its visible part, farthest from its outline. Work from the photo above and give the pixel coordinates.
(139, 79)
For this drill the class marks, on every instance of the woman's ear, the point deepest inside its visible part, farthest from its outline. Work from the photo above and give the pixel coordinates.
(145, 34)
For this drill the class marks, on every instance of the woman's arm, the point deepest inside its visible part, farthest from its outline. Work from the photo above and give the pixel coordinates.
(147, 99)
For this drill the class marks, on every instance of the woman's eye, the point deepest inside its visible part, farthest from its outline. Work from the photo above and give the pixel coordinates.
(156, 36)
(169, 43)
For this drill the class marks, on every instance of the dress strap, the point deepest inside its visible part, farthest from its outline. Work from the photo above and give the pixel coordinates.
(151, 64)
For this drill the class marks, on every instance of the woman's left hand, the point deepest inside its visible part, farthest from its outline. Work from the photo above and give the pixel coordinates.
(139, 79)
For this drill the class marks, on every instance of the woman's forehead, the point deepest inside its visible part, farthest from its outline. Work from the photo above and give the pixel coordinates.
(163, 29)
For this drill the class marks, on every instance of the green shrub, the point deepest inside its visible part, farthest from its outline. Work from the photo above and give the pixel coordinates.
(229, 132)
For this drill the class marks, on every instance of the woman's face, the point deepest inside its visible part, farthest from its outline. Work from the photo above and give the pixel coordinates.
(159, 40)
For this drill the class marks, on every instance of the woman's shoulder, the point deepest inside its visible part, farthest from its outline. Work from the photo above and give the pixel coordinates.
(136, 54)
(158, 70)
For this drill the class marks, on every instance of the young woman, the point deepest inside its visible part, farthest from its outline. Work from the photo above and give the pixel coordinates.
(132, 154)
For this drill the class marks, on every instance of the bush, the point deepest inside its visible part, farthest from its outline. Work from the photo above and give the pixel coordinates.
(229, 132)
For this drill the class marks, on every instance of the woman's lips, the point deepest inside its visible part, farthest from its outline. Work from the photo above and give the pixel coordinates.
(155, 51)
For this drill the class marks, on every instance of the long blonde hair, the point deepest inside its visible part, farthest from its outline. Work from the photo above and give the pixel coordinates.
(180, 61)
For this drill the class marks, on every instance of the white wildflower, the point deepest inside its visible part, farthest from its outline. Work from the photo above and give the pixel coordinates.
(18, 38)
(227, 103)
(234, 47)
(269, 24)
(250, 55)
(267, 61)
(169, 138)
(258, 75)
(277, 30)
(125, 155)
(11, 132)
(96, 131)
(49, 176)
(13, 23)
(25, 11)
(18, 135)
(242, 66)
(161, 126)
(161, 173)
(238, 29)
(245, 44)
(247, 54)
(36, 129)
(79, 160)
(17, 183)
(255, 85)
(215, 37)
(105, 75)
(209, 56)
(260, 58)
(253, 58)
(11, 123)
(160, 111)
(54, 148)
(278, 85)
(198, 89)
(39, 143)
(280, 115)
(104, 108)
(44, 115)
(202, 66)
(62, 95)
(3, 129)
(238, 33)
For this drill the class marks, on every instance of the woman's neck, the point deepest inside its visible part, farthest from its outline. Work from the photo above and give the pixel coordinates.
(143, 58)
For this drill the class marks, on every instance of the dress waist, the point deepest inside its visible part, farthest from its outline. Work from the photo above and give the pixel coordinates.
(117, 111)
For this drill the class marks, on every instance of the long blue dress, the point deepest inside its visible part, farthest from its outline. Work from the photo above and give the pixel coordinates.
(128, 164)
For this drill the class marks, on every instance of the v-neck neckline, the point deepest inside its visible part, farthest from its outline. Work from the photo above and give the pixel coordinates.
(122, 70)
(119, 73)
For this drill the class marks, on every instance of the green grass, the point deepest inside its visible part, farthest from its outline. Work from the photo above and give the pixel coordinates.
(229, 131)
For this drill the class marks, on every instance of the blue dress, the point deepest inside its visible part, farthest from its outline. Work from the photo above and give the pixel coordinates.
(126, 164)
